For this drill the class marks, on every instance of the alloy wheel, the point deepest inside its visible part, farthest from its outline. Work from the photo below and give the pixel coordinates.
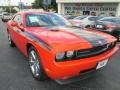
(34, 63)
(9, 39)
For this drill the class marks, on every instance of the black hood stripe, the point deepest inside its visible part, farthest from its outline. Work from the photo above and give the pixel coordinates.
(40, 41)
(94, 39)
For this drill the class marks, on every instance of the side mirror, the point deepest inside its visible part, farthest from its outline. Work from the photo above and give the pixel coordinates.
(21, 28)
(15, 24)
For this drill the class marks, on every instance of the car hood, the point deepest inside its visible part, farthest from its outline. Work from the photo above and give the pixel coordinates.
(108, 23)
(69, 38)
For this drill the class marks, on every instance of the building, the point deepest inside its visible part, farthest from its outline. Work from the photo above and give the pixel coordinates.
(88, 7)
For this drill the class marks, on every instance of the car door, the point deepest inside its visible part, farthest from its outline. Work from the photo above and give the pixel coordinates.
(19, 37)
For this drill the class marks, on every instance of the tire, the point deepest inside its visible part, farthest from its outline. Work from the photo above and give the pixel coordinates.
(35, 65)
(11, 43)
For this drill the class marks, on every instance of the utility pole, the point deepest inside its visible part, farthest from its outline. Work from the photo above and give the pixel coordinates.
(9, 4)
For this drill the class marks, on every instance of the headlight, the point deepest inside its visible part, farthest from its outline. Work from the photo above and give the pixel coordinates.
(60, 56)
(69, 54)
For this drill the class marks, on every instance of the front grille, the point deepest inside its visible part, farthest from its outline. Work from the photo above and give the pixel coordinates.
(94, 51)
(91, 52)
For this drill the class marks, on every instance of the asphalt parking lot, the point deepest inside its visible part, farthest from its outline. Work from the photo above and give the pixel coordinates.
(15, 73)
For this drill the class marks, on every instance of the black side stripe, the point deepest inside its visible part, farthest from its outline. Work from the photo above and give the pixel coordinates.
(36, 39)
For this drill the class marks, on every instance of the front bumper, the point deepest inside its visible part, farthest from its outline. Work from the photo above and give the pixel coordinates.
(77, 78)
(69, 69)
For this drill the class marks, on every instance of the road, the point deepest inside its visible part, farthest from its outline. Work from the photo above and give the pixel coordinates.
(15, 73)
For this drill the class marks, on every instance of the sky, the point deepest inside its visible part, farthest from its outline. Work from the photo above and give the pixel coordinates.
(15, 2)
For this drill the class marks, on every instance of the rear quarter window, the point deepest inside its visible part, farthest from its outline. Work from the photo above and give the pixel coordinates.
(80, 18)
(92, 18)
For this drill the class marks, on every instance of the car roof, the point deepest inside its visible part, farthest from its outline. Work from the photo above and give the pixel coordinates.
(109, 18)
(87, 16)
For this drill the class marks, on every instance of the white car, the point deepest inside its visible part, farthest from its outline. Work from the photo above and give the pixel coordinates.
(84, 21)
(5, 17)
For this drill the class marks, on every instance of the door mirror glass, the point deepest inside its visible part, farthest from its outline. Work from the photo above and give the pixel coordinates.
(15, 24)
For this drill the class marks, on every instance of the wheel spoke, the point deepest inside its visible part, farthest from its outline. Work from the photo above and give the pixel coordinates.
(32, 69)
(36, 71)
(34, 63)
(33, 54)
(9, 38)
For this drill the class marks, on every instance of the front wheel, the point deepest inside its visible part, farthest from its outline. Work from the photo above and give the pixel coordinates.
(35, 65)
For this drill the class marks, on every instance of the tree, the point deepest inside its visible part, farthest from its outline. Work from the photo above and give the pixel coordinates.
(39, 4)
(7, 9)
(54, 4)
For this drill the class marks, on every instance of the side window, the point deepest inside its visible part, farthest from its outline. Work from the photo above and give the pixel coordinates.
(109, 20)
(81, 17)
(18, 18)
(92, 18)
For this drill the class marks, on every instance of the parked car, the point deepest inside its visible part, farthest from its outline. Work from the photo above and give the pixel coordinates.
(5, 17)
(69, 17)
(109, 25)
(1, 13)
(55, 48)
(84, 21)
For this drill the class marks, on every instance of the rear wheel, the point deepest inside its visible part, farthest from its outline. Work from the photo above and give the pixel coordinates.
(11, 43)
(35, 65)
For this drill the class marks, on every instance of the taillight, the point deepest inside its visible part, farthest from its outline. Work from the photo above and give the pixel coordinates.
(111, 26)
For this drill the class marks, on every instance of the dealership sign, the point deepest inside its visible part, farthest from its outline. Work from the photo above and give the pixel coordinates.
(96, 7)
(91, 7)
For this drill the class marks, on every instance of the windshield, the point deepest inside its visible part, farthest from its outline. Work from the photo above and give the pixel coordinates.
(37, 20)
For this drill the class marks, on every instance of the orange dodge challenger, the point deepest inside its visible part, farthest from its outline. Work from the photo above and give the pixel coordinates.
(56, 49)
